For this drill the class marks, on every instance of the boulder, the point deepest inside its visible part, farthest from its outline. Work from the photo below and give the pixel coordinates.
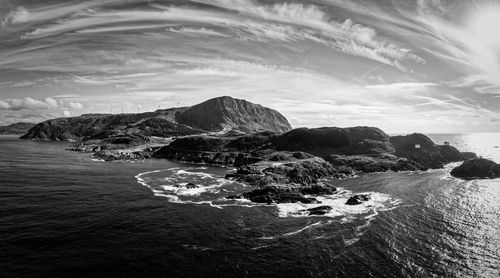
(321, 210)
(358, 199)
(191, 185)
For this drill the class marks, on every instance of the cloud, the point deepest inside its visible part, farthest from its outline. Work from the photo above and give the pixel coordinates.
(196, 31)
(19, 15)
(347, 36)
(282, 22)
(397, 64)
(47, 12)
(400, 86)
(29, 103)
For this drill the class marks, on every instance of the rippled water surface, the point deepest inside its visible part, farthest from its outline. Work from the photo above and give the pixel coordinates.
(62, 214)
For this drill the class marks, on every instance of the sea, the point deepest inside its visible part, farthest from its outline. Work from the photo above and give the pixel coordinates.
(64, 214)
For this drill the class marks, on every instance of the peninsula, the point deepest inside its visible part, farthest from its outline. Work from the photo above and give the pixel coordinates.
(283, 164)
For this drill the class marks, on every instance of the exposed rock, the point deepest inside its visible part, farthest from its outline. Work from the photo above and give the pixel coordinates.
(191, 185)
(200, 143)
(17, 128)
(321, 210)
(113, 155)
(379, 163)
(275, 194)
(479, 168)
(235, 151)
(300, 172)
(218, 158)
(318, 189)
(358, 199)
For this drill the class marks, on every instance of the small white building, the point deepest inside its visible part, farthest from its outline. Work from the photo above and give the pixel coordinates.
(417, 146)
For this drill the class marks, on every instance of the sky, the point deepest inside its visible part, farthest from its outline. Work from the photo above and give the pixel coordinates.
(400, 65)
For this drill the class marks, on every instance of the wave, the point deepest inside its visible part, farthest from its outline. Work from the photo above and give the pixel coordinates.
(198, 186)
(377, 202)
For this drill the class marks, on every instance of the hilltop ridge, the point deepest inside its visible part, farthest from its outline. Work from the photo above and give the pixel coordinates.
(214, 115)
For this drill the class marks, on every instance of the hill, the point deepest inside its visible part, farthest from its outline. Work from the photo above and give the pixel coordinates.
(214, 115)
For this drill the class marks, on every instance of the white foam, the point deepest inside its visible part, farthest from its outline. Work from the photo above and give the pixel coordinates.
(180, 189)
(377, 202)
(303, 229)
(174, 185)
(211, 191)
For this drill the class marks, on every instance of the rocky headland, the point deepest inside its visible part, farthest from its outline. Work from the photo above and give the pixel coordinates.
(17, 128)
(281, 163)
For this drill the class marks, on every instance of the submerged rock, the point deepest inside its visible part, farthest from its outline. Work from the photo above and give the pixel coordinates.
(479, 168)
(358, 199)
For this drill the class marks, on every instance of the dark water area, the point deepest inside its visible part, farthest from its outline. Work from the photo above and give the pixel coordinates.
(65, 215)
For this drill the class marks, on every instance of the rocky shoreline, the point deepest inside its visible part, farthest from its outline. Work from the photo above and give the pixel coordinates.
(282, 164)
(287, 174)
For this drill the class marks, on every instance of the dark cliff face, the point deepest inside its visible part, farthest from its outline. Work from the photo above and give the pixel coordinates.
(227, 112)
(333, 140)
(212, 115)
(17, 128)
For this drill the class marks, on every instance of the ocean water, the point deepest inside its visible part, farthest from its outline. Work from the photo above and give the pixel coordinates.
(64, 215)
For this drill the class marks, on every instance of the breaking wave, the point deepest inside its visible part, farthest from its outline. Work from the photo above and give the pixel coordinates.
(196, 185)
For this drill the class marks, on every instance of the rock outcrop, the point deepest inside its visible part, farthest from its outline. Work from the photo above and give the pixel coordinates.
(358, 199)
(275, 194)
(479, 168)
(333, 140)
(321, 210)
(17, 128)
(378, 163)
(215, 115)
(421, 150)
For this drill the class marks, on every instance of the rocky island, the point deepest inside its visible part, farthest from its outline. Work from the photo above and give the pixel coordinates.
(283, 164)
(479, 168)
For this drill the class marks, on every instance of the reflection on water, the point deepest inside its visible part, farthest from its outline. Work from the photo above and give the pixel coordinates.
(472, 211)
(65, 215)
(486, 145)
